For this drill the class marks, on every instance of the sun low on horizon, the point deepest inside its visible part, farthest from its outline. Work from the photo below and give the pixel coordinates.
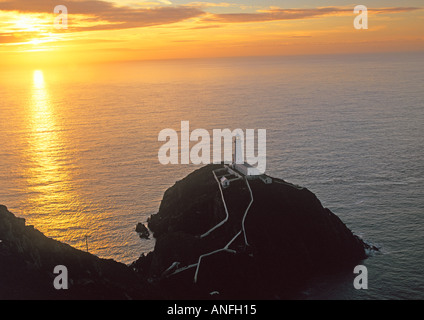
(123, 30)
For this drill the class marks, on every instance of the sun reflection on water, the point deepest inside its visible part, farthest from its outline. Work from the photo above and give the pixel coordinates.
(51, 189)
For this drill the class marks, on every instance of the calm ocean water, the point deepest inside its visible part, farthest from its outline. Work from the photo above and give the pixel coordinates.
(78, 153)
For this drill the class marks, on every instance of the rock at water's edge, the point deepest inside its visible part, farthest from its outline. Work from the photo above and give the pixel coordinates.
(28, 259)
(291, 238)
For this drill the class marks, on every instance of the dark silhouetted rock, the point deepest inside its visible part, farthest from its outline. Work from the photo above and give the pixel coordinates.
(142, 231)
(28, 258)
(291, 238)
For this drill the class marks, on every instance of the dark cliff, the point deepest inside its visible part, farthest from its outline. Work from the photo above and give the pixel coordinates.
(289, 237)
(28, 259)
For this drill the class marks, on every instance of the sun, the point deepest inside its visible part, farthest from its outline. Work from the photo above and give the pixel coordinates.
(32, 32)
(38, 79)
(29, 23)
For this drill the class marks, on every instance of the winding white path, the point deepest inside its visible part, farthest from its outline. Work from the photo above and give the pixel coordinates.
(247, 210)
(226, 248)
(225, 207)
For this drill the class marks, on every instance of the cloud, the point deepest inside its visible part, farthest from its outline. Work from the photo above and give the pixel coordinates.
(211, 4)
(117, 17)
(88, 15)
(276, 14)
(125, 18)
(6, 38)
(209, 26)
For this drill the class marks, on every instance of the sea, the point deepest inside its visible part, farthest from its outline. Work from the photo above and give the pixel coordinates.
(79, 148)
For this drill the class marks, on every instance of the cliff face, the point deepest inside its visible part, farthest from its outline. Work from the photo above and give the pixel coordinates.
(28, 259)
(289, 237)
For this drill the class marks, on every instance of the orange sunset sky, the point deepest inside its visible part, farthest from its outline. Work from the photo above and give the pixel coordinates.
(121, 30)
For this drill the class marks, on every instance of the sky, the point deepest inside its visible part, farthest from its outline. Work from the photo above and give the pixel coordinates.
(127, 30)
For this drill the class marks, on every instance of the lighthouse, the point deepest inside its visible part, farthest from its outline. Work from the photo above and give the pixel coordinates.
(238, 162)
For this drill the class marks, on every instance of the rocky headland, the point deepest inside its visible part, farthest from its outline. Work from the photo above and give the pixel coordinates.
(205, 248)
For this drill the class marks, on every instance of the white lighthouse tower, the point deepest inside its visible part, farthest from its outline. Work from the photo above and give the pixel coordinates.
(239, 164)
